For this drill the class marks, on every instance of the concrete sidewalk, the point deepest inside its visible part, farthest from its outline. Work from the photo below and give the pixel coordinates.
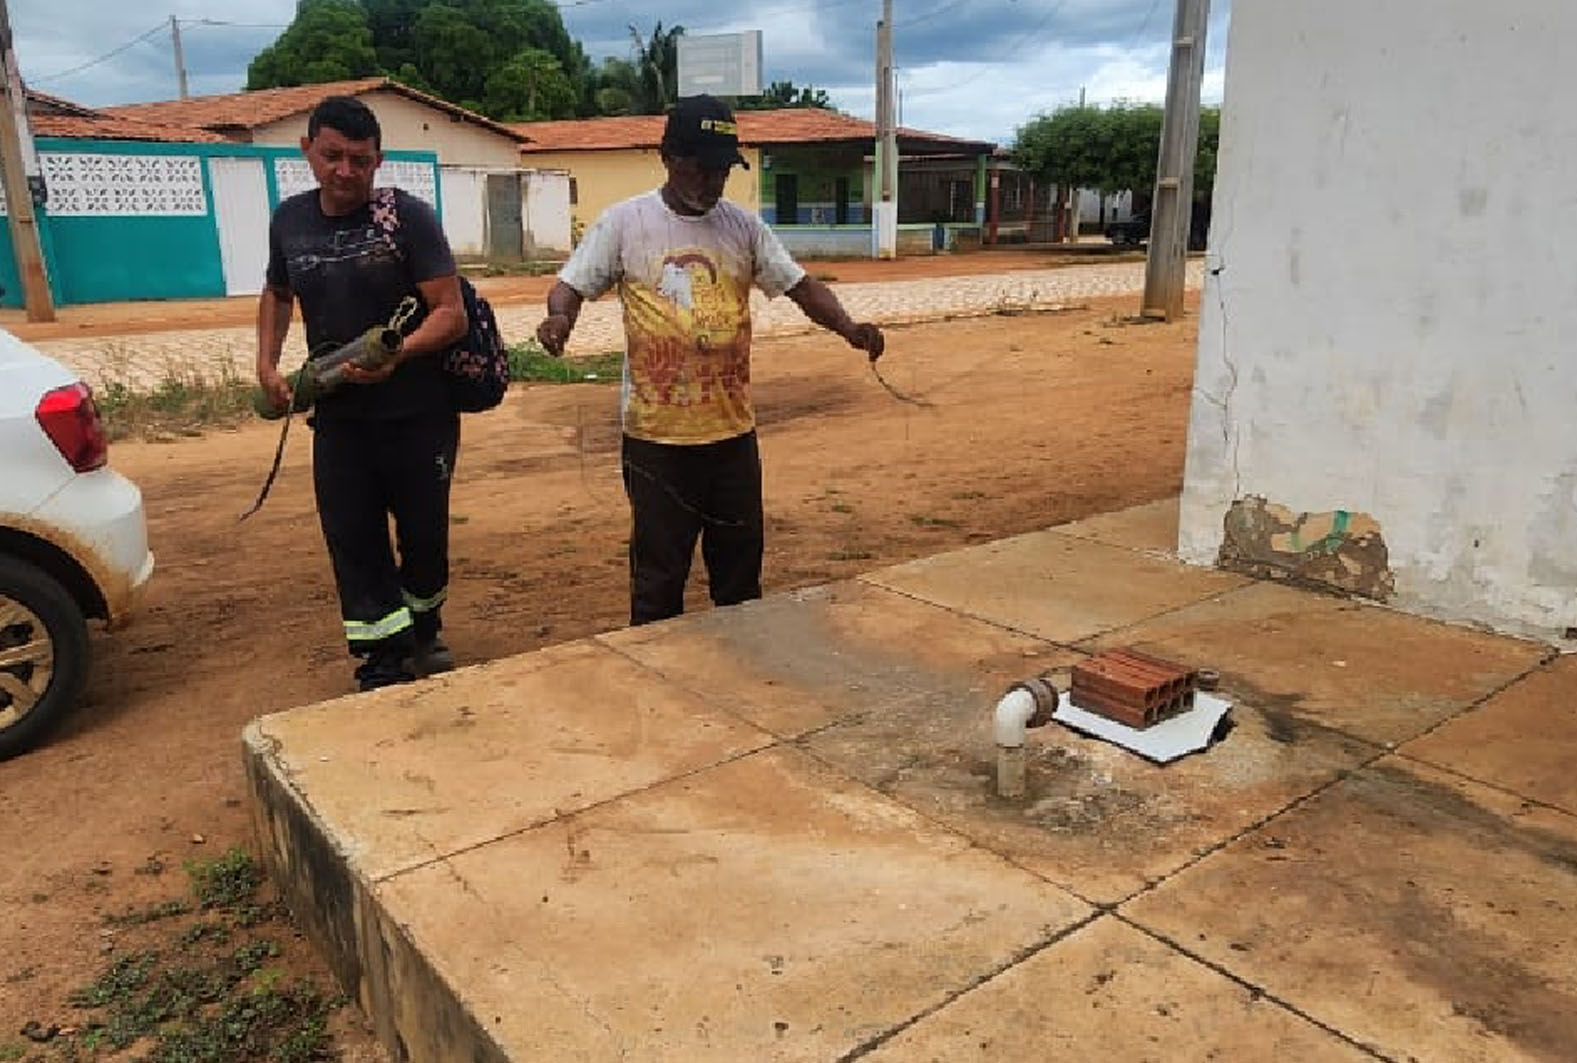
(770, 832)
(144, 361)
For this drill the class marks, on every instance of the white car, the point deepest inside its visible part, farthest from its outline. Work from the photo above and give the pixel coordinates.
(73, 541)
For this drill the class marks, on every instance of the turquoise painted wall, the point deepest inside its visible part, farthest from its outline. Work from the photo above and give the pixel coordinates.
(100, 260)
(113, 258)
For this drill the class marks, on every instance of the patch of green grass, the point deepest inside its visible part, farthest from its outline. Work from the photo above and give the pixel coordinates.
(528, 362)
(841, 507)
(924, 521)
(151, 914)
(124, 977)
(226, 883)
(12, 1051)
(850, 555)
(181, 404)
(198, 933)
(207, 990)
(283, 1025)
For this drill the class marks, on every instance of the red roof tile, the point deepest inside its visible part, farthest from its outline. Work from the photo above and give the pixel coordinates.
(804, 125)
(248, 110)
(108, 127)
(44, 103)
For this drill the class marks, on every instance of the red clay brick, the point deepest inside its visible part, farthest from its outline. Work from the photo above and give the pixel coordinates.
(1133, 688)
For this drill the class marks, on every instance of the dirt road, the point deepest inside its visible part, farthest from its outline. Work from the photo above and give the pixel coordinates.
(1036, 420)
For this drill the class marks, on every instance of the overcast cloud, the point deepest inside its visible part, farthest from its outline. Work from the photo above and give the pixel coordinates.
(975, 68)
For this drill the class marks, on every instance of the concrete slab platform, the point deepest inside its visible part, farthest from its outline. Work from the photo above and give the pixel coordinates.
(1096, 818)
(1152, 528)
(1523, 739)
(1110, 992)
(405, 775)
(763, 909)
(1055, 586)
(1421, 915)
(795, 662)
(1310, 661)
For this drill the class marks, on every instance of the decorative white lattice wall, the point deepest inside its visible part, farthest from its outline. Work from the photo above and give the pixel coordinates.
(86, 185)
(417, 178)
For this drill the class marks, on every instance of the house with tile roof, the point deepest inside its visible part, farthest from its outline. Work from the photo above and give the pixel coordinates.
(810, 174)
(494, 207)
(144, 207)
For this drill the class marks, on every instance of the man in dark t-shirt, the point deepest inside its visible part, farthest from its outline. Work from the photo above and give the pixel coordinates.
(384, 443)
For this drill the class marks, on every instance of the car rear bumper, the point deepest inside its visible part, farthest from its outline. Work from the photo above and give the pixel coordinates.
(98, 518)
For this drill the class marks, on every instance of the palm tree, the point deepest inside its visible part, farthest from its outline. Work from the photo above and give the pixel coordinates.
(656, 68)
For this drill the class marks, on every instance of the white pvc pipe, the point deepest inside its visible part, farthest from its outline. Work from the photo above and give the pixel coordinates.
(1012, 717)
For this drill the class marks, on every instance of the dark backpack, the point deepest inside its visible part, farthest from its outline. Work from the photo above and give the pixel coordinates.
(477, 368)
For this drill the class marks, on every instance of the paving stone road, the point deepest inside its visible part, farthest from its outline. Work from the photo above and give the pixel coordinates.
(142, 362)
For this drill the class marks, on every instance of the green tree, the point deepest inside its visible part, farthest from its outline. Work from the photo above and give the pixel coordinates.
(655, 60)
(329, 40)
(781, 94)
(530, 87)
(1111, 149)
(467, 51)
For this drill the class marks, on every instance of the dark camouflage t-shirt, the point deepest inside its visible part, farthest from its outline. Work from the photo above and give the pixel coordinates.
(347, 279)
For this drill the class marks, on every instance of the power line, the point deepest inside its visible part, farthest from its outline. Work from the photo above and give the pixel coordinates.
(1013, 50)
(234, 25)
(1145, 25)
(929, 15)
(160, 28)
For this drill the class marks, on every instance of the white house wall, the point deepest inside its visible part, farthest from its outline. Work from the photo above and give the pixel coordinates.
(1386, 383)
(548, 212)
(465, 211)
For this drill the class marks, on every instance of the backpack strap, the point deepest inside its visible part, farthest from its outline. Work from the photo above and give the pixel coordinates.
(385, 205)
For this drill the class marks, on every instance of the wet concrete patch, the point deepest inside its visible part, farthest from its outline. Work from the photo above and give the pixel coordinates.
(1426, 916)
(1523, 739)
(1319, 661)
(1096, 818)
(798, 661)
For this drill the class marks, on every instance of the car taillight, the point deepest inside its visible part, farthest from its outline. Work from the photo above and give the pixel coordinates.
(70, 418)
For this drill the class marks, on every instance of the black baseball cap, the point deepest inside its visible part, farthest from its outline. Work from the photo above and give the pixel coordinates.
(703, 128)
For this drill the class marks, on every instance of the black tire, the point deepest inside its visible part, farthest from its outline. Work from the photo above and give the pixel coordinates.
(51, 606)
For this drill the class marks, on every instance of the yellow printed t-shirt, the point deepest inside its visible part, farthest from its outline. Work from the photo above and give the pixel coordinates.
(685, 285)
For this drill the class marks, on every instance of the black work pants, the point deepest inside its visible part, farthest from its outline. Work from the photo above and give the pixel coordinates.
(365, 471)
(678, 493)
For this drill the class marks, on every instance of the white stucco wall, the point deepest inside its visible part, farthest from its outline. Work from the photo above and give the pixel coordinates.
(1394, 330)
(548, 213)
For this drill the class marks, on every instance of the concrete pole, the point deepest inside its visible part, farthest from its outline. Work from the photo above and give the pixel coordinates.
(885, 208)
(180, 56)
(1172, 207)
(16, 148)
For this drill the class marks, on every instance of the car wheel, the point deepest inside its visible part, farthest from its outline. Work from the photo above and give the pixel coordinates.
(43, 654)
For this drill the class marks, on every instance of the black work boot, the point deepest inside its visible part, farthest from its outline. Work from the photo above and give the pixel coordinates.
(383, 668)
(432, 657)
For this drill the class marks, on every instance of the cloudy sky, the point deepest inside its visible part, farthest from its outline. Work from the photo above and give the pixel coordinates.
(976, 68)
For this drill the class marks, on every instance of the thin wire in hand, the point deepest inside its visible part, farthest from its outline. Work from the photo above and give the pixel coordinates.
(913, 400)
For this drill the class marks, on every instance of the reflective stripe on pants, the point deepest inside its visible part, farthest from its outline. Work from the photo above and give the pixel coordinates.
(377, 630)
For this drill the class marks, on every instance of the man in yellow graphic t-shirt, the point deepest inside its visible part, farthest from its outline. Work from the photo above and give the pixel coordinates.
(684, 261)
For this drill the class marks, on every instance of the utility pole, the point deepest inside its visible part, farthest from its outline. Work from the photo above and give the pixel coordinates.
(1171, 212)
(180, 56)
(16, 158)
(885, 205)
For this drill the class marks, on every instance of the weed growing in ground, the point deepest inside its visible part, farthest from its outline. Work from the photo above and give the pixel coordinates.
(210, 991)
(183, 402)
(529, 363)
